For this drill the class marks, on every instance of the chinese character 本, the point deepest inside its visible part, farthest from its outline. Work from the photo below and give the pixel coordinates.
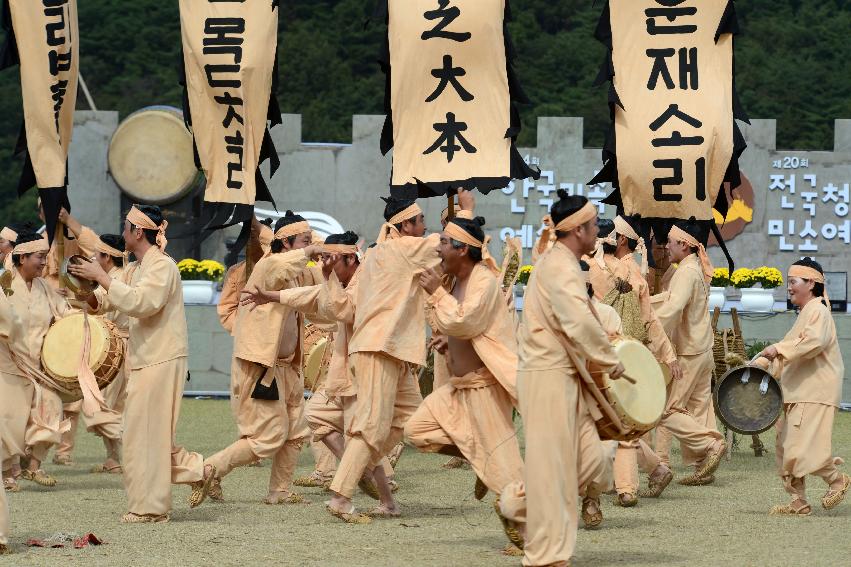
(450, 132)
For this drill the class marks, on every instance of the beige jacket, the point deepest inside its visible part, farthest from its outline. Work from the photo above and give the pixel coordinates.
(812, 364)
(390, 314)
(483, 320)
(557, 310)
(685, 311)
(153, 301)
(257, 332)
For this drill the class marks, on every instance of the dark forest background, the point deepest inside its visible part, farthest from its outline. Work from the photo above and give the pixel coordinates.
(792, 63)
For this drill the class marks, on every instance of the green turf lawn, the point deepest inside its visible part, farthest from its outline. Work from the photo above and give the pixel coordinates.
(442, 525)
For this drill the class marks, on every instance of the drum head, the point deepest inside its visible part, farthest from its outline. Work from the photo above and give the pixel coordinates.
(63, 343)
(75, 284)
(313, 363)
(741, 406)
(151, 158)
(644, 401)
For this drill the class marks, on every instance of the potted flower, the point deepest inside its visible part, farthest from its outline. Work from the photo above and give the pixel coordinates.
(200, 279)
(523, 279)
(717, 287)
(757, 287)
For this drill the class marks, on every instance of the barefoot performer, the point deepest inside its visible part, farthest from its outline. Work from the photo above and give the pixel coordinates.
(471, 416)
(267, 380)
(811, 381)
(563, 448)
(685, 317)
(388, 338)
(157, 351)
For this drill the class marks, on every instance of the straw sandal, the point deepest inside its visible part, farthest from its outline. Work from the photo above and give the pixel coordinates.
(289, 498)
(201, 488)
(131, 518)
(313, 480)
(510, 527)
(63, 460)
(10, 484)
(215, 492)
(455, 463)
(694, 480)
(626, 500)
(592, 520)
(394, 486)
(38, 477)
(832, 498)
(381, 513)
(655, 486)
(103, 469)
(369, 488)
(396, 454)
(790, 510)
(480, 490)
(5, 549)
(713, 460)
(350, 517)
(512, 550)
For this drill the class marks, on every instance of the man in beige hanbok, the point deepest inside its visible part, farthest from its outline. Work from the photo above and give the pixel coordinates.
(685, 316)
(330, 409)
(811, 372)
(157, 351)
(472, 414)
(259, 242)
(267, 379)
(389, 337)
(10, 326)
(563, 450)
(615, 267)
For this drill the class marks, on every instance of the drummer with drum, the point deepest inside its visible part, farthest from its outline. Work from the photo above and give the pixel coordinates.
(29, 401)
(559, 334)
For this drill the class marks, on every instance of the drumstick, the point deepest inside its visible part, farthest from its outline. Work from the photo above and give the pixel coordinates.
(626, 377)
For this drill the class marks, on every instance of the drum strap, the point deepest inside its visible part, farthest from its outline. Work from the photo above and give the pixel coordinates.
(92, 397)
(591, 386)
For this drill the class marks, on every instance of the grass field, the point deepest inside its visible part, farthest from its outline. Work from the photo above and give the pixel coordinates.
(442, 525)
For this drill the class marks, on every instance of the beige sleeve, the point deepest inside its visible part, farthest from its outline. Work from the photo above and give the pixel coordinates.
(148, 296)
(421, 252)
(811, 341)
(680, 294)
(660, 344)
(9, 321)
(274, 270)
(571, 307)
(469, 318)
(229, 300)
(339, 302)
(87, 241)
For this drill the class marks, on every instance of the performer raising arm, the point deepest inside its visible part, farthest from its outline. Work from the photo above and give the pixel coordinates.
(811, 380)
(158, 349)
(471, 415)
(388, 338)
